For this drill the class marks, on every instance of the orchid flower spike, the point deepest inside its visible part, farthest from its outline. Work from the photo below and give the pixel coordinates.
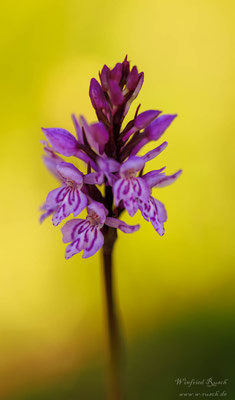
(110, 150)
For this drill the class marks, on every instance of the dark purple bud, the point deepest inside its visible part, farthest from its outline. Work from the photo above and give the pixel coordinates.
(145, 118)
(115, 93)
(125, 68)
(62, 141)
(139, 86)
(99, 133)
(104, 78)
(97, 95)
(116, 73)
(132, 79)
(155, 130)
(135, 93)
(77, 128)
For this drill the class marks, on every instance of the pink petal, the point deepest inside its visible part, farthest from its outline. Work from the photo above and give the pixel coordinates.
(73, 228)
(158, 226)
(51, 164)
(93, 241)
(89, 136)
(156, 129)
(74, 202)
(55, 197)
(108, 164)
(116, 223)
(153, 177)
(135, 93)
(78, 129)
(131, 206)
(139, 146)
(133, 163)
(145, 118)
(155, 152)
(99, 209)
(122, 189)
(70, 172)
(141, 188)
(168, 180)
(161, 211)
(94, 178)
(73, 248)
(99, 133)
(61, 140)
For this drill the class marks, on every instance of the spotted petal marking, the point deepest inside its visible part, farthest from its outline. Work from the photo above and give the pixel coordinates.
(154, 211)
(74, 202)
(84, 236)
(129, 190)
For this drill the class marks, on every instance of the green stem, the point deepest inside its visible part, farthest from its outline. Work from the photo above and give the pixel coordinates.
(112, 321)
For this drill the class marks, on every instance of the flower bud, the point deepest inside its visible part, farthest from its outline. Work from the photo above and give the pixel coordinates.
(155, 130)
(61, 140)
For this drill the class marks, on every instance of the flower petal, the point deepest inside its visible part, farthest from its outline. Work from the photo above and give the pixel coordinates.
(168, 180)
(116, 95)
(69, 172)
(161, 210)
(108, 164)
(89, 136)
(133, 163)
(155, 152)
(152, 177)
(78, 129)
(74, 202)
(46, 214)
(73, 228)
(99, 133)
(97, 95)
(145, 118)
(51, 164)
(131, 206)
(99, 209)
(55, 197)
(104, 78)
(158, 226)
(94, 178)
(74, 248)
(116, 223)
(122, 189)
(84, 157)
(116, 73)
(132, 79)
(141, 188)
(61, 140)
(155, 212)
(93, 241)
(156, 129)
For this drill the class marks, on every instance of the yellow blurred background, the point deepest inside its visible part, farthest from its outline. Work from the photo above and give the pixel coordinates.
(52, 329)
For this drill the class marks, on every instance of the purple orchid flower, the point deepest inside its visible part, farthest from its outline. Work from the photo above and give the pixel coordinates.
(129, 187)
(153, 210)
(86, 234)
(68, 198)
(109, 151)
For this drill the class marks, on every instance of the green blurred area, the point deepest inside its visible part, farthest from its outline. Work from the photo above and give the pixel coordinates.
(199, 346)
(176, 293)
